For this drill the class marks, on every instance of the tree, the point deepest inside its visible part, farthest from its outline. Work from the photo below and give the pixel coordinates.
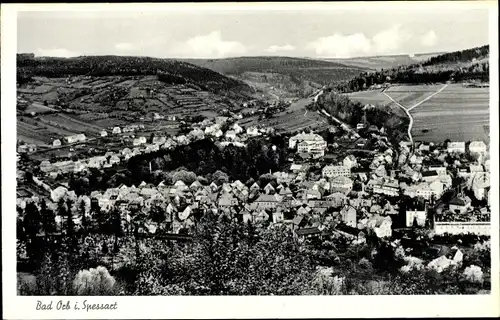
(48, 217)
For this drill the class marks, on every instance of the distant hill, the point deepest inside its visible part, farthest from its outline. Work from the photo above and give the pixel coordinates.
(383, 62)
(296, 75)
(177, 72)
(463, 65)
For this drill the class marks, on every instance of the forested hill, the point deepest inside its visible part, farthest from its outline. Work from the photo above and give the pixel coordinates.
(168, 70)
(296, 76)
(469, 55)
(464, 65)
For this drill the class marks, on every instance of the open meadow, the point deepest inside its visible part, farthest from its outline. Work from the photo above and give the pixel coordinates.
(456, 113)
(294, 118)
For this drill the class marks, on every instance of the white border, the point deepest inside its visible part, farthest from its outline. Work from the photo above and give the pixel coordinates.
(15, 307)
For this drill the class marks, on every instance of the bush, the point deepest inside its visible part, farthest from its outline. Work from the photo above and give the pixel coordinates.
(94, 282)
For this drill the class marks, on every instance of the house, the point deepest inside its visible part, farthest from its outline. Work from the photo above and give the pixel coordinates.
(388, 187)
(104, 133)
(253, 131)
(350, 161)
(348, 215)
(341, 184)
(334, 171)
(429, 176)
(477, 147)
(140, 140)
(230, 134)
(97, 162)
(114, 159)
(458, 147)
(441, 171)
(416, 216)
(382, 226)
(278, 216)
(237, 129)
(460, 204)
(184, 214)
(269, 188)
(227, 200)
(267, 201)
(76, 138)
(159, 140)
(56, 143)
(197, 134)
(117, 130)
(307, 233)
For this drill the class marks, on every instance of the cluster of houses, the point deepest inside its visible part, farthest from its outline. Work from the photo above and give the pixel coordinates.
(312, 205)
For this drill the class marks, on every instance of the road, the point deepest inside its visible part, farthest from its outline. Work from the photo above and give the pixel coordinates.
(409, 116)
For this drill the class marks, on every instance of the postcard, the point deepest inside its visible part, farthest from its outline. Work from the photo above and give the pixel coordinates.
(250, 160)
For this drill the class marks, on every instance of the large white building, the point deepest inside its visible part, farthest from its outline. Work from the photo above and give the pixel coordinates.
(458, 147)
(386, 186)
(335, 171)
(462, 227)
(311, 137)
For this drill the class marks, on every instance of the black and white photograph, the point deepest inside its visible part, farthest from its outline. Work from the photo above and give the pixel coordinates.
(333, 151)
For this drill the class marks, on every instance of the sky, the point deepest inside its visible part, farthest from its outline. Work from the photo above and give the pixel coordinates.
(335, 33)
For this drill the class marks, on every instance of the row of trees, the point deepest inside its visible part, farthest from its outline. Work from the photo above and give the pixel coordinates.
(340, 106)
(227, 257)
(204, 157)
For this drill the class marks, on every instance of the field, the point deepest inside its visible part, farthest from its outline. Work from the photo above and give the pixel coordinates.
(375, 97)
(456, 113)
(42, 130)
(294, 118)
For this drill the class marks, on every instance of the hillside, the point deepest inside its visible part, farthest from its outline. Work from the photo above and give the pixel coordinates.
(290, 75)
(458, 66)
(170, 71)
(383, 62)
(60, 97)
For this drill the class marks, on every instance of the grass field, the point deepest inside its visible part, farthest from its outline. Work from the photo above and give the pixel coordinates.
(294, 118)
(456, 113)
(43, 129)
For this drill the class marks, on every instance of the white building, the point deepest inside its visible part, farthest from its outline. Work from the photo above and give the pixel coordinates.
(138, 141)
(350, 161)
(463, 227)
(477, 147)
(341, 182)
(117, 130)
(104, 133)
(420, 216)
(335, 171)
(312, 137)
(56, 143)
(458, 147)
(76, 138)
(253, 131)
(388, 187)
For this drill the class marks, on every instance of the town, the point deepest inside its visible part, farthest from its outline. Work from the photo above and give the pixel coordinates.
(333, 184)
(142, 174)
